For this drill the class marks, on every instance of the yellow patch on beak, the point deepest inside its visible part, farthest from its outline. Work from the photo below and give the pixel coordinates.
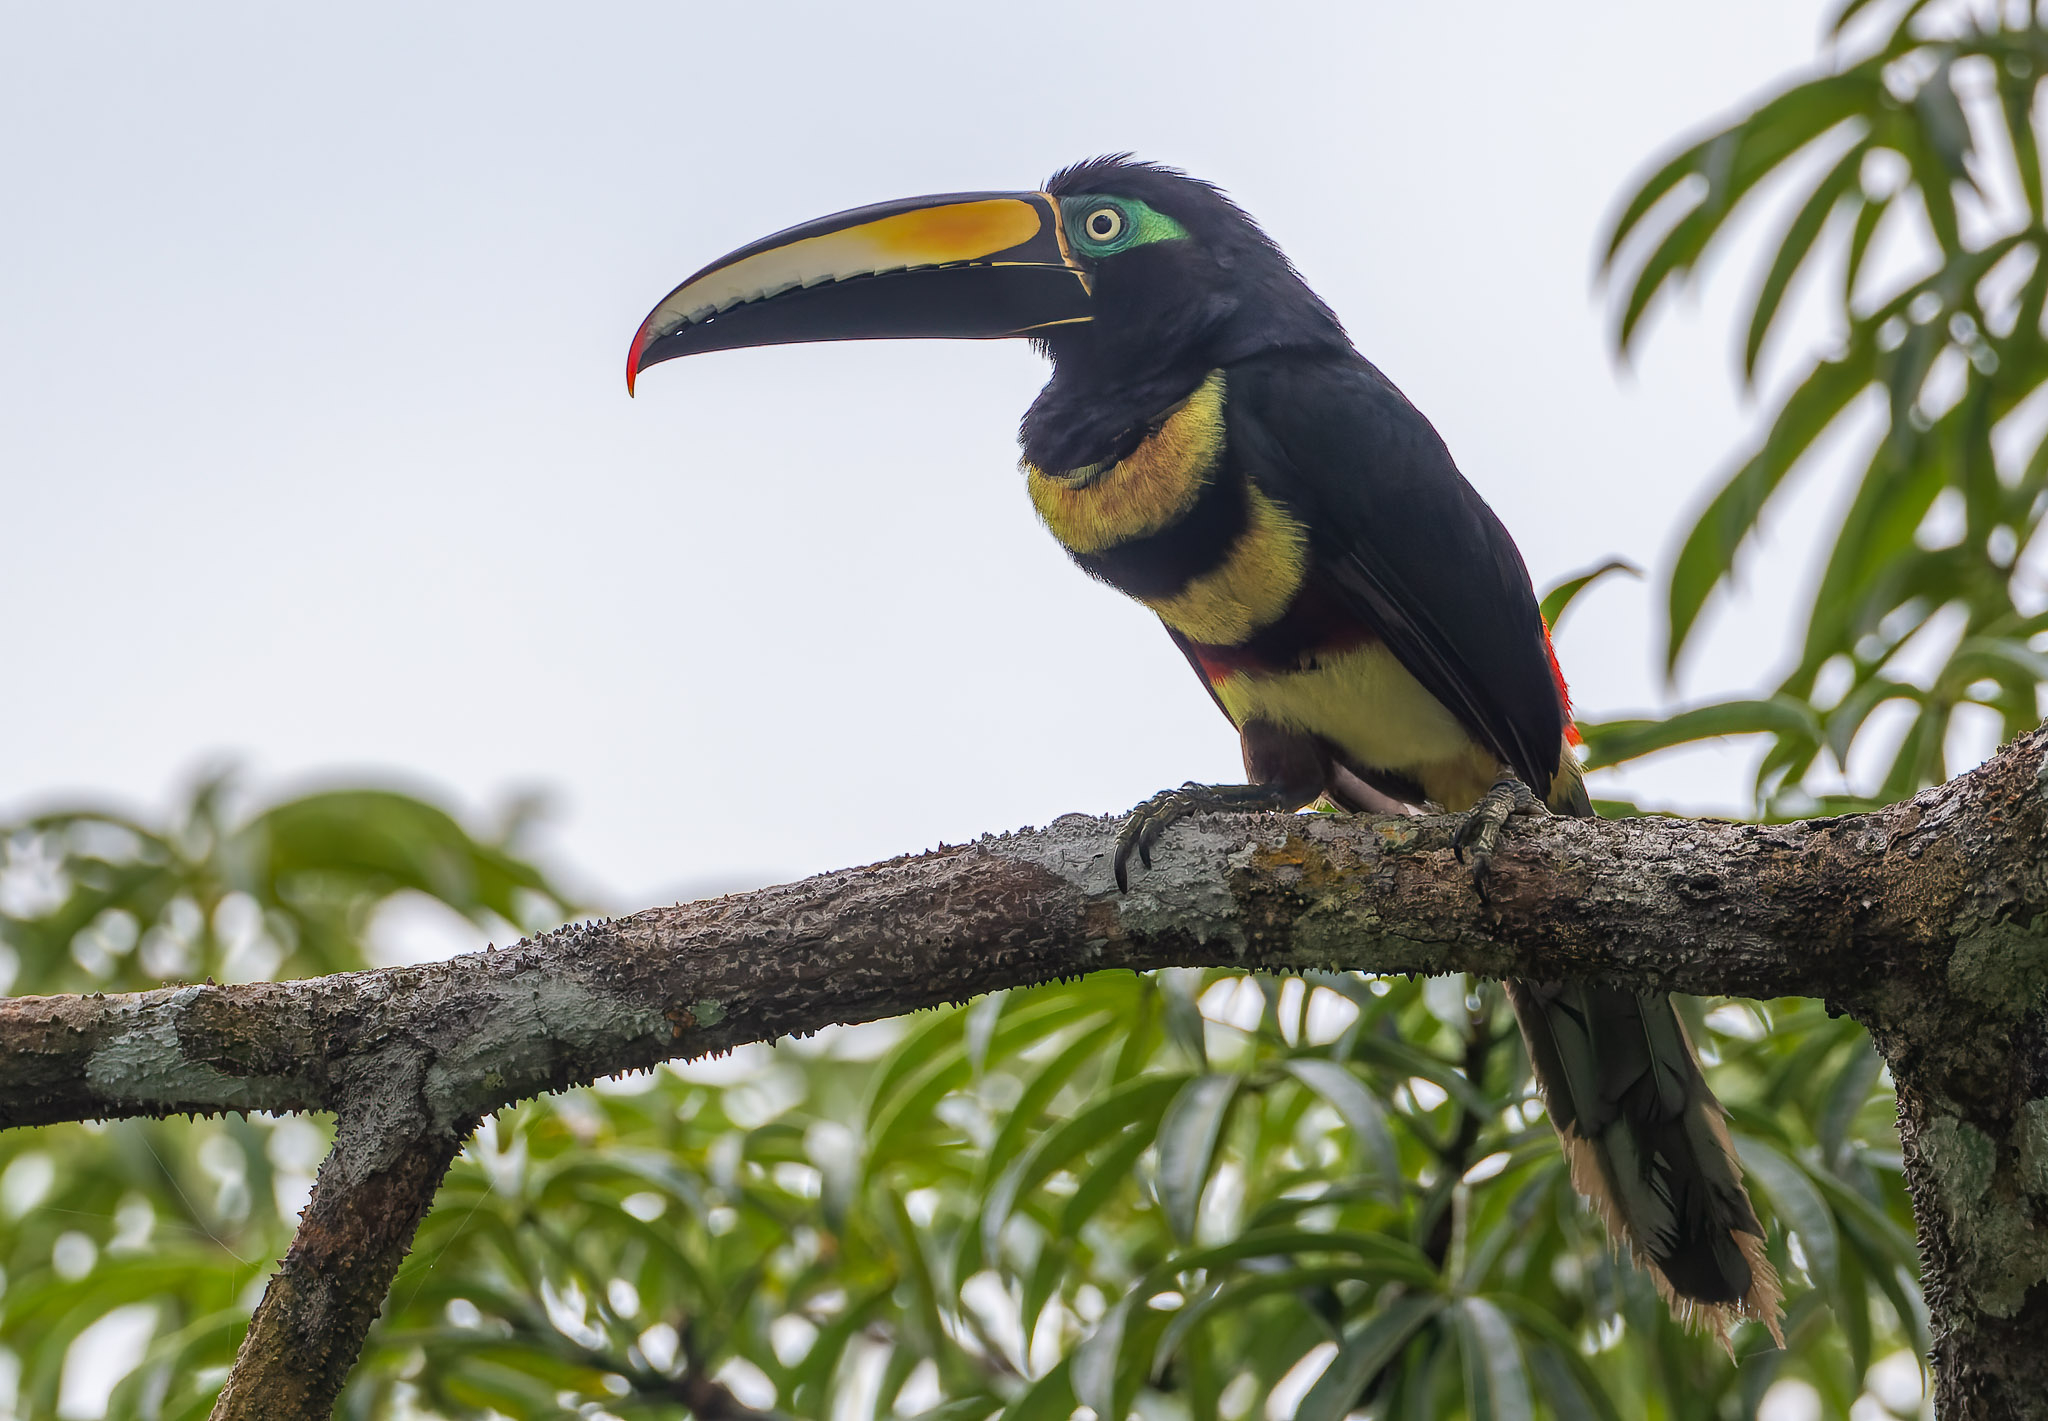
(960, 232)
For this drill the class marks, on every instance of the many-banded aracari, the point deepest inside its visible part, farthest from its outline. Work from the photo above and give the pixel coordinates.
(1211, 444)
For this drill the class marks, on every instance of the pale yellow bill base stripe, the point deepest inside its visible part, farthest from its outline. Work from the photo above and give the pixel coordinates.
(929, 236)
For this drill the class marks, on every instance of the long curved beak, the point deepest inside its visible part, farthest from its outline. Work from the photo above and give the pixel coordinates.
(963, 265)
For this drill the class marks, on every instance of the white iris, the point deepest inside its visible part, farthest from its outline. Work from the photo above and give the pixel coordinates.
(1104, 224)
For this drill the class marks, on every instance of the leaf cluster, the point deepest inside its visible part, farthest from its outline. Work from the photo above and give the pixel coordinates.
(173, 1225)
(1913, 170)
(1195, 1195)
(94, 899)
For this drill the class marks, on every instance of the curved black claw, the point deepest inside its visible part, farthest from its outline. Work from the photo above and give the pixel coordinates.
(1478, 832)
(1143, 826)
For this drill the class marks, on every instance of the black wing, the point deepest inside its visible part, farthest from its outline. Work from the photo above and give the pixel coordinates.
(1405, 543)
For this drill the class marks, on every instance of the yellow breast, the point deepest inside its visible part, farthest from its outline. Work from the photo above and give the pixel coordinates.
(1250, 588)
(1097, 510)
(1098, 507)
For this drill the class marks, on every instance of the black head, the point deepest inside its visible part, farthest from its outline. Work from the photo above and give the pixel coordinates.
(1180, 277)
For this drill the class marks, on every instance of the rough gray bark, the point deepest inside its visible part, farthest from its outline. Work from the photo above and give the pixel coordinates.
(1923, 920)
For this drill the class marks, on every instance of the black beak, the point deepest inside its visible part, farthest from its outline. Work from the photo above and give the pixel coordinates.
(964, 266)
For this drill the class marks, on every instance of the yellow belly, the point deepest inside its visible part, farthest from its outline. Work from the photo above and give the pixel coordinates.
(1366, 704)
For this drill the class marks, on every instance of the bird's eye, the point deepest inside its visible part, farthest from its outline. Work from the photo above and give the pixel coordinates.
(1104, 224)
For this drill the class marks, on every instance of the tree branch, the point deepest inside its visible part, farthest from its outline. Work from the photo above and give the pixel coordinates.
(1918, 919)
(308, 1331)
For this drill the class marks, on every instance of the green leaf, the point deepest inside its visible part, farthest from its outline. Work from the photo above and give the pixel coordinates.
(1365, 1351)
(1374, 1254)
(1249, 1288)
(1646, 197)
(1099, 1122)
(1996, 658)
(1177, 989)
(1732, 162)
(1612, 742)
(381, 841)
(1110, 1364)
(1099, 1184)
(1038, 1094)
(2016, 96)
(1403, 1060)
(1941, 157)
(980, 1027)
(1841, 181)
(1187, 1146)
(928, 1041)
(1708, 554)
(1562, 1388)
(1868, 217)
(1798, 1205)
(1050, 1398)
(1496, 1381)
(1360, 1110)
(1846, 719)
(966, 1408)
(1852, 8)
(1847, 1094)
(1571, 1385)
(1851, 1305)
(1558, 598)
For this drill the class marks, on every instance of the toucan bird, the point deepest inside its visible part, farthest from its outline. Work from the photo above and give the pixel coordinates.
(1212, 445)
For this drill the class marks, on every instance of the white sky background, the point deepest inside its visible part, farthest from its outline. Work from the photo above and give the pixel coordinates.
(315, 449)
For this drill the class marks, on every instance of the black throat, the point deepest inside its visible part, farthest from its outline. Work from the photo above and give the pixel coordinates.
(1078, 419)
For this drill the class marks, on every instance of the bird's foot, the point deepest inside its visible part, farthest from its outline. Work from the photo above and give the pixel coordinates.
(1143, 825)
(1478, 833)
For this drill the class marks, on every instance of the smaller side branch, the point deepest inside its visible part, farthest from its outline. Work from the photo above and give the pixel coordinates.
(309, 1328)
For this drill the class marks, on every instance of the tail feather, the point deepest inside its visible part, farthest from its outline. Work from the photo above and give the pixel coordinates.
(1648, 1146)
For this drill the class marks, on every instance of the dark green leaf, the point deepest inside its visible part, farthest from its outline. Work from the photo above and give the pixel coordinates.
(1841, 181)
(1187, 1146)
(1496, 1382)
(1612, 742)
(1708, 555)
(1366, 1349)
(1361, 1111)
(1798, 1204)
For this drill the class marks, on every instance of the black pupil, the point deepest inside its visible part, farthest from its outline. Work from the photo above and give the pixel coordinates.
(1103, 224)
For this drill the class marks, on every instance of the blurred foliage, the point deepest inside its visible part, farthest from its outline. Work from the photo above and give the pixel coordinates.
(1911, 169)
(92, 900)
(1192, 1195)
(141, 1227)
(1189, 1195)
(1177, 1197)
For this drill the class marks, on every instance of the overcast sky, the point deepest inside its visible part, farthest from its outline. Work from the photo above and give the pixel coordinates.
(315, 449)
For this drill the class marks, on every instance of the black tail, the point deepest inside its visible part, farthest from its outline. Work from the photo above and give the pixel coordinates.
(1647, 1145)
